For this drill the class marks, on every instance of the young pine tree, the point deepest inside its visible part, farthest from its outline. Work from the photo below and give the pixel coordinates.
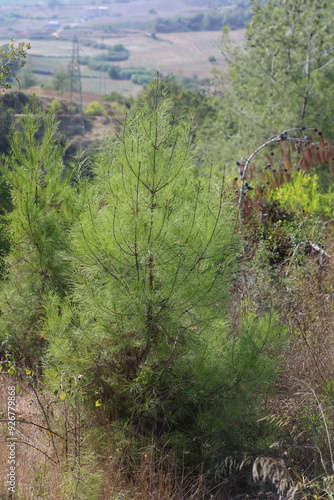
(154, 251)
(44, 206)
(5, 240)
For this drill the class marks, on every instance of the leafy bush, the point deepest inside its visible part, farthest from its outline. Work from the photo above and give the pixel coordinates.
(121, 104)
(116, 53)
(140, 76)
(98, 65)
(95, 45)
(303, 195)
(94, 108)
(54, 106)
(61, 79)
(119, 47)
(115, 56)
(27, 78)
(114, 72)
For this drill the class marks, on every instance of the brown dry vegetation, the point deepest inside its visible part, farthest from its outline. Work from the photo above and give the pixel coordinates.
(53, 458)
(300, 407)
(34, 450)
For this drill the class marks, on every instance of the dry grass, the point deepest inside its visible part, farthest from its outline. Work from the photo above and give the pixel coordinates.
(54, 458)
(34, 449)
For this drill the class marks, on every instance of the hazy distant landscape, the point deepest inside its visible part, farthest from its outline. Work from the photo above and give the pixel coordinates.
(166, 250)
(177, 37)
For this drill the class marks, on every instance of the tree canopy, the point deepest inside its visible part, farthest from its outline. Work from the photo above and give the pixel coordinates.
(282, 74)
(12, 56)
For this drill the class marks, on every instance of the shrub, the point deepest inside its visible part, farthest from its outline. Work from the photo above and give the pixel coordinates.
(114, 72)
(303, 195)
(98, 65)
(55, 106)
(142, 78)
(94, 108)
(119, 47)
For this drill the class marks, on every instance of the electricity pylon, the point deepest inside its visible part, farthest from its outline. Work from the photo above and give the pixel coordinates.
(75, 84)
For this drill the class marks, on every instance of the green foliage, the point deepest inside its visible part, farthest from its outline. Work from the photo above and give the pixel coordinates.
(95, 45)
(251, 365)
(5, 240)
(61, 79)
(141, 76)
(26, 77)
(94, 108)
(190, 103)
(142, 79)
(11, 57)
(118, 47)
(101, 62)
(97, 64)
(269, 85)
(120, 284)
(116, 53)
(54, 106)
(114, 72)
(303, 195)
(144, 324)
(119, 104)
(205, 21)
(152, 177)
(282, 74)
(7, 116)
(43, 211)
(81, 480)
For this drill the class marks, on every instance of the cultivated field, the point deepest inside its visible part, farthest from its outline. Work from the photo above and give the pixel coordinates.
(51, 30)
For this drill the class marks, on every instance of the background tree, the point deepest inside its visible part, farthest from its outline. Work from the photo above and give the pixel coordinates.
(12, 56)
(282, 74)
(26, 76)
(61, 79)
